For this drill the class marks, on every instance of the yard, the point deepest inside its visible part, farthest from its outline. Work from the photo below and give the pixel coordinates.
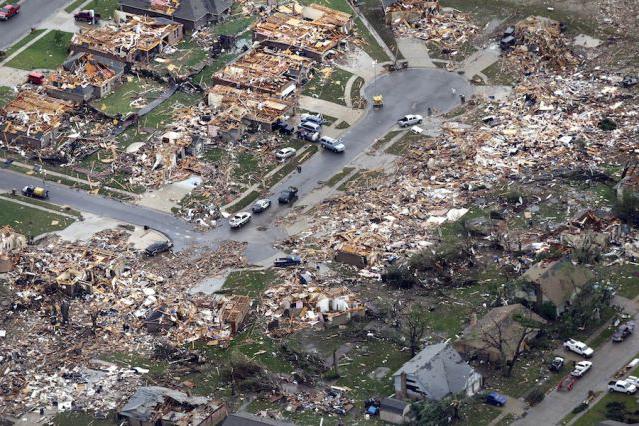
(6, 95)
(249, 283)
(23, 41)
(131, 96)
(609, 407)
(187, 58)
(104, 7)
(30, 221)
(329, 86)
(46, 53)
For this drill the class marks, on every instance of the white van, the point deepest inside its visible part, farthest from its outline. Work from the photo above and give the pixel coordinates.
(313, 127)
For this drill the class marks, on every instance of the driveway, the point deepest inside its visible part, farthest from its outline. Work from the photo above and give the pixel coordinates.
(32, 13)
(405, 92)
(606, 361)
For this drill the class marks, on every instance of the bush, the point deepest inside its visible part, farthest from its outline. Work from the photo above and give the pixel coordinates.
(579, 408)
(548, 311)
(399, 277)
(607, 124)
(626, 208)
(535, 397)
(616, 411)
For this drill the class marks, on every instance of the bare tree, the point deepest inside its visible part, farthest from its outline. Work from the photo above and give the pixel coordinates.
(414, 326)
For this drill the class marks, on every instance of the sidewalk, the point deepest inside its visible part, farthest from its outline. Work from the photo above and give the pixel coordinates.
(37, 207)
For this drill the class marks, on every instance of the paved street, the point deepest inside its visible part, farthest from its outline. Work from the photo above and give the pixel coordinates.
(32, 13)
(605, 362)
(408, 91)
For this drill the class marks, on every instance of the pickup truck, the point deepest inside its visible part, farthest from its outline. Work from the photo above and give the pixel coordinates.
(580, 348)
(622, 386)
(9, 11)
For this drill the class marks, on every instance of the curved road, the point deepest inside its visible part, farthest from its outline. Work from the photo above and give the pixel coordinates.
(410, 91)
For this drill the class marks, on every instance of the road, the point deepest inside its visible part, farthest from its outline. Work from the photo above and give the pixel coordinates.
(405, 92)
(32, 13)
(606, 361)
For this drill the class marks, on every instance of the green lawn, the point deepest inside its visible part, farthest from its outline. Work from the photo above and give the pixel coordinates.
(104, 7)
(372, 10)
(330, 88)
(497, 74)
(234, 26)
(6, 95)
(371, 46)
(403, 144)
(187, 58)
(244, 202)
(204, 76)
(339, 176)
(26, 39)
(73, 6)
(48, 52)
(119, 101)
(625, 278)
(379, 143)
(249, 283)
(597, 412)
(30, 221)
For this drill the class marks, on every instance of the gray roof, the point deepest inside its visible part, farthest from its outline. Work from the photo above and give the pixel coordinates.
(439, 370)
(141, 405)
(190, 10)
(247, 419)
(392, 404)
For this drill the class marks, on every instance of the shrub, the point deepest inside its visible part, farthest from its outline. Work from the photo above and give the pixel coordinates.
(626, 208)
(399, 277)
(535, 396)
(579, 408)
(607, 124)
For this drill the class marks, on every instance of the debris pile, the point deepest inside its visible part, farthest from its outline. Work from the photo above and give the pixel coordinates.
(332, 400)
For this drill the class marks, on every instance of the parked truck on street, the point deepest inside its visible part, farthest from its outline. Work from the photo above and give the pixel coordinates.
(35, 192)
(622, 386)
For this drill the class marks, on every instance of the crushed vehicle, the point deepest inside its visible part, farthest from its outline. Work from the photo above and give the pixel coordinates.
(622, 386)
(332, 144)
(557, 364)
(283, 127)
(308, 135)
(283, 262)
(581, 368)
(288, 195)
(261, 205)
(35, 192)
(580, 348)
(239, 219)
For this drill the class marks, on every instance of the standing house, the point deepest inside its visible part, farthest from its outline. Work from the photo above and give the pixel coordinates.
(84, 77)
(32, 120)
(314, 31)
(192, 14)
(437, 371)
(556, 283)
(138, 39)
(500, 326)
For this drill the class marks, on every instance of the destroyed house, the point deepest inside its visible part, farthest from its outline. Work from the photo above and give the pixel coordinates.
(314, 32)
(160, 406)
(555, 283)
(275, 73)
(399, 11)
(32, 119)
(499, 327)
(236, 109)
(137, 40)
(84, 77)
(192, 14)
(435, 372)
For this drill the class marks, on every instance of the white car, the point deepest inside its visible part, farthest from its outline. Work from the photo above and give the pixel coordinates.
(261, 205)
(410, 120)
(622, 386)
(580, 348)
(581, 368)
(632, 379)
(239, 219)
(285, 153)
(332, 144)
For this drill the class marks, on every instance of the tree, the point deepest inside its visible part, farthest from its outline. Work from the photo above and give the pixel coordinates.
(414, 326)
(509, 339)
(436, 413)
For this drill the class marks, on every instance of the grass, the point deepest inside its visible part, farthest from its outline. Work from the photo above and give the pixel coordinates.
(204, 76)
(496, 74)
(374, 14)
(44, 204)
(401, 146)
(104, 7)
(187, 59)
(48, 52)
(342, 125)
(339, 176)
(119, 101)
(624, 278)
(330, 87)
(244, 202)
(73, 6)
(249, 283)
(341, 5)
(23, 41)
(30, 221)
(597, 412)
(479, 413)
(379, 143)
(359, 178)
(234, 26)
(371, 46)
(6, 95)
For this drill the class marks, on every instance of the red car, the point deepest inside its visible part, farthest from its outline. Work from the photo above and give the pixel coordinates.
(9, 11)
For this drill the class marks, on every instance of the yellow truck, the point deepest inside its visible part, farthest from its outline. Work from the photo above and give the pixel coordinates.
(35, 192)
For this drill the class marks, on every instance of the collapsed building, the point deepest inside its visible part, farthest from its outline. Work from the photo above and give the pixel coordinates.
(84, 77)
(138, 39)
(277, 73)
(238, 109)
(32, 119)
(192, 14)
(396, 11)
(315, 31)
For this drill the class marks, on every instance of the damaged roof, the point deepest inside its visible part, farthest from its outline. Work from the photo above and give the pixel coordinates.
(190, 10)
(558, 280)
(34, 113)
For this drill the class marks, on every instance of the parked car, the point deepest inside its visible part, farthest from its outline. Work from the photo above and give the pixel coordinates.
(581, 368)
(623, 331)
(285, 153)
(283, 262)
(157, 248)
(410, 120)
(313, 118)
(87, 16)
(580, 348)
(622, 386)
(495, 398)
(9, 11)
(332, 144)
(35, 192)
(557, 364)
(288, 195)
(239, 219)
(283, 127)
(633, 379)
(310, 126)
(308, 135)
(261, 205)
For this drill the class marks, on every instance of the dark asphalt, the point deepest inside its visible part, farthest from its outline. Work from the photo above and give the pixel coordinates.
(405, 92)
(32, 13)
